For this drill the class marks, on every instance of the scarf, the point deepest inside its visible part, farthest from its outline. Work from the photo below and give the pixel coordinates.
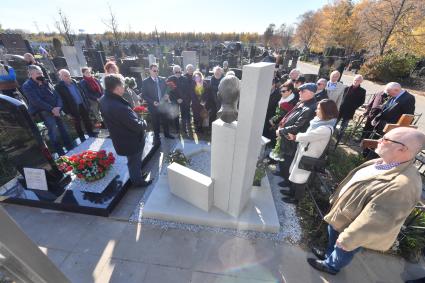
(287, 99)
(317, 122)
(93, 84)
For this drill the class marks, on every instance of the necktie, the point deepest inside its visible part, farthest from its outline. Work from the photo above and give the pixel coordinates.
(158, 90)
(389, 103)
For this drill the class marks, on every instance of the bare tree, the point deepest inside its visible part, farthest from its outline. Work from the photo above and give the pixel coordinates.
(112, 24)
(63, 25)
(268, 34)
(307, 29)
(385, 18)
(286, 34)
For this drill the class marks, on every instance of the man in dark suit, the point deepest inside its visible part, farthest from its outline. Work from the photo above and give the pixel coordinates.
(354, 97)
(400, 102)
(75, 103)
(126, 130)
(153, 91)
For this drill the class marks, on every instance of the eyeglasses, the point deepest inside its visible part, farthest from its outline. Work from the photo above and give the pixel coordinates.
(283, 90)
(155, 71)
(178, 72)
(393, 141)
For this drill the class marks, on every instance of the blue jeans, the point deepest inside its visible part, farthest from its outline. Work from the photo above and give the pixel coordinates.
(337, 258)
(53, 124)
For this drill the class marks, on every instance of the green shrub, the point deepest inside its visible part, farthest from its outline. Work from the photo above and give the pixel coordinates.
(388, 67)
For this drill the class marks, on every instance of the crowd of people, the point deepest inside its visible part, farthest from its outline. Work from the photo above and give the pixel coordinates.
(368, 207)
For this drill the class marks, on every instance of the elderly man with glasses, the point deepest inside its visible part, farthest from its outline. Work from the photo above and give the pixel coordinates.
(321, 90)
(371, 204)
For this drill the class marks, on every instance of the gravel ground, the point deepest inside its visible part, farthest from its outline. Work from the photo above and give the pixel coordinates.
(290, 229)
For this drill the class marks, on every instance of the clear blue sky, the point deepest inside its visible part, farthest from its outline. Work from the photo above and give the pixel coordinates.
(168, 15)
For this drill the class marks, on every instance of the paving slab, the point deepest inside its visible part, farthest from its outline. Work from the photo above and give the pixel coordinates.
(163, 274)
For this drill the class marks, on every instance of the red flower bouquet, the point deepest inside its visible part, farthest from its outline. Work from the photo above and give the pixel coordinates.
(140, 109)
(88, 165)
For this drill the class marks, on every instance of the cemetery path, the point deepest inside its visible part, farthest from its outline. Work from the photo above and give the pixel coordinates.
(371, 87)
(96, 249)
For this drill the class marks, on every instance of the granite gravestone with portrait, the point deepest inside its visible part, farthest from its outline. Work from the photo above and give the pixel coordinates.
(23, 144)
(21, 141)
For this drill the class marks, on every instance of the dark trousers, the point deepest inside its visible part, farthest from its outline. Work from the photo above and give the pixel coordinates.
(82, 116)
(337, 258)
(367, 129)
(134, 165)
(185, 115)
(53, 125)
(297, 190)
(157, 120)
(285, 165)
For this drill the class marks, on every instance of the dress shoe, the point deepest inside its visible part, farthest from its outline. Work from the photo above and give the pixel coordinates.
(142, 184)
(284, 184)
(321, 266)
(290, 200)
(168, 136)
(318, 253)
(287, 193)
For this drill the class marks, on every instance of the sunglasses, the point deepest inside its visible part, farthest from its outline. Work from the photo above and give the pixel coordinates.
(385, 139)
(177, 72)
(155, 71)
(283, 90)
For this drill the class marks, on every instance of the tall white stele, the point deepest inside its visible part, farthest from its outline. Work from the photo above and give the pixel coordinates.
(235, 147)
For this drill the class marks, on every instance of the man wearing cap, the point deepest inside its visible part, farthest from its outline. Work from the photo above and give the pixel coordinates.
(296, 121)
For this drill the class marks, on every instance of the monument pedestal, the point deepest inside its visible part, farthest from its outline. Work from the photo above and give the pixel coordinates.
(96, 198)
(259, 213)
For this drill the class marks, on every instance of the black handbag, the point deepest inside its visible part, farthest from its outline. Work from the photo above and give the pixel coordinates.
(311, 163)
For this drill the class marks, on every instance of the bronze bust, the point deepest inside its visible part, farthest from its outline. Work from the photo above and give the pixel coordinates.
(228, 93)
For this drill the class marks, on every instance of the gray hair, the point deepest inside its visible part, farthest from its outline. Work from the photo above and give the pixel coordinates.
(61, 72)
(336, 72)
(217, 68)
(230, 73)
(322, 80)
(358, 76)
(32, 68)
(392, 85)
(188, 66)
(176, 68)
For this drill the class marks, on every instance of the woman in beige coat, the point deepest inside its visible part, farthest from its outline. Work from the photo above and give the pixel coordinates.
(312, 143)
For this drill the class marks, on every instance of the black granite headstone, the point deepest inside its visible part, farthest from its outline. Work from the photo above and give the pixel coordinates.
(23, 144)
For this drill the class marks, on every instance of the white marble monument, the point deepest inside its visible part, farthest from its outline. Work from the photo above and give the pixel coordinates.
(235, 148)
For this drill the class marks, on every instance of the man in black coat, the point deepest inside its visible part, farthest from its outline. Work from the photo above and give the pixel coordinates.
(295, 121)
(75, 103)
(154, 92)
(126, 130)
(321, 90)
(400, 102)
(176, 82)
(188, 89)
(354, 97)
